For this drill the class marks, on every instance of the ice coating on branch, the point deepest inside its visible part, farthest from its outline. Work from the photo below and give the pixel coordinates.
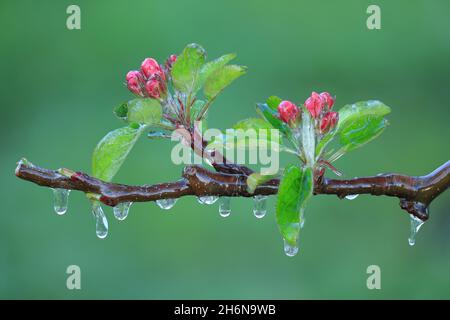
(207, 199)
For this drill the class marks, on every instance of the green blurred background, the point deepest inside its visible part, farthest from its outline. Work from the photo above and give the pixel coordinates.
(58, 88)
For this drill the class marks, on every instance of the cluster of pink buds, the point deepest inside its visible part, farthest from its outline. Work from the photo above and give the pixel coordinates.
(150, 81)
(288, 112)
(319, 106)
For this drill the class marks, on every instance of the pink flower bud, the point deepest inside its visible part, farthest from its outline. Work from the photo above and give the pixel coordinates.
(173, 58)
(288, 111)
(170, 61)
(155, 88)
(314, 104)
(329, 100)
(328, 121)
(324, 123)
(150, 67)
(334, 118)
(134, 80)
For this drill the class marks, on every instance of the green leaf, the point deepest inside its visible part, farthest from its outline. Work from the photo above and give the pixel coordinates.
(244, 140)
(324, 141)
(271, 117)
(362, 131)
(196, 108)
(112, 150)
(273, 102)
(360, 123)
(252, 123)
(121, 111)
(256, 179)
(222, 78)
(261, 127)
(251, 134)
(359, 110)
(144, 111)
(211, 67)
(186, 69)
(295, 189)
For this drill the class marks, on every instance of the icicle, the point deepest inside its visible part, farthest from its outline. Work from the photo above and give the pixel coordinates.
(290, 250)
(416, 223)
(121, 210)
(225, 207)
(351, 196)
(207, 199)
(259, 206)
(101, 224)
(61, 199)
(166, 204)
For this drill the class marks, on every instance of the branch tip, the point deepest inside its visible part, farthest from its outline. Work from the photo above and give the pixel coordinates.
(416, 208)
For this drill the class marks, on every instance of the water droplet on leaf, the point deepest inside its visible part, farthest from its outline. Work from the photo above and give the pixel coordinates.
(101, 223)
(121, 210)
(416, 224)
(259, 206)
(290, 250)
(61, 199)
(166, 204)
(351, 196)
(207, 199)
(225, 207)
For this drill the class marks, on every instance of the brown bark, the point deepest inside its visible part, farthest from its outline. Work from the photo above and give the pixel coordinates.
(414, 192)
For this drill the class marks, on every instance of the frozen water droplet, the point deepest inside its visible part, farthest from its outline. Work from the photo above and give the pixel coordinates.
(121, 210)
(101, 223)
(416, 224)
(207, 199)
(351, 196)
(290, 250)
(225, 207)
(61, 199)
(166, 204)
(259, 206)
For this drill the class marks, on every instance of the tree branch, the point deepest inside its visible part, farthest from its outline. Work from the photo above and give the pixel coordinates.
(415, 192)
